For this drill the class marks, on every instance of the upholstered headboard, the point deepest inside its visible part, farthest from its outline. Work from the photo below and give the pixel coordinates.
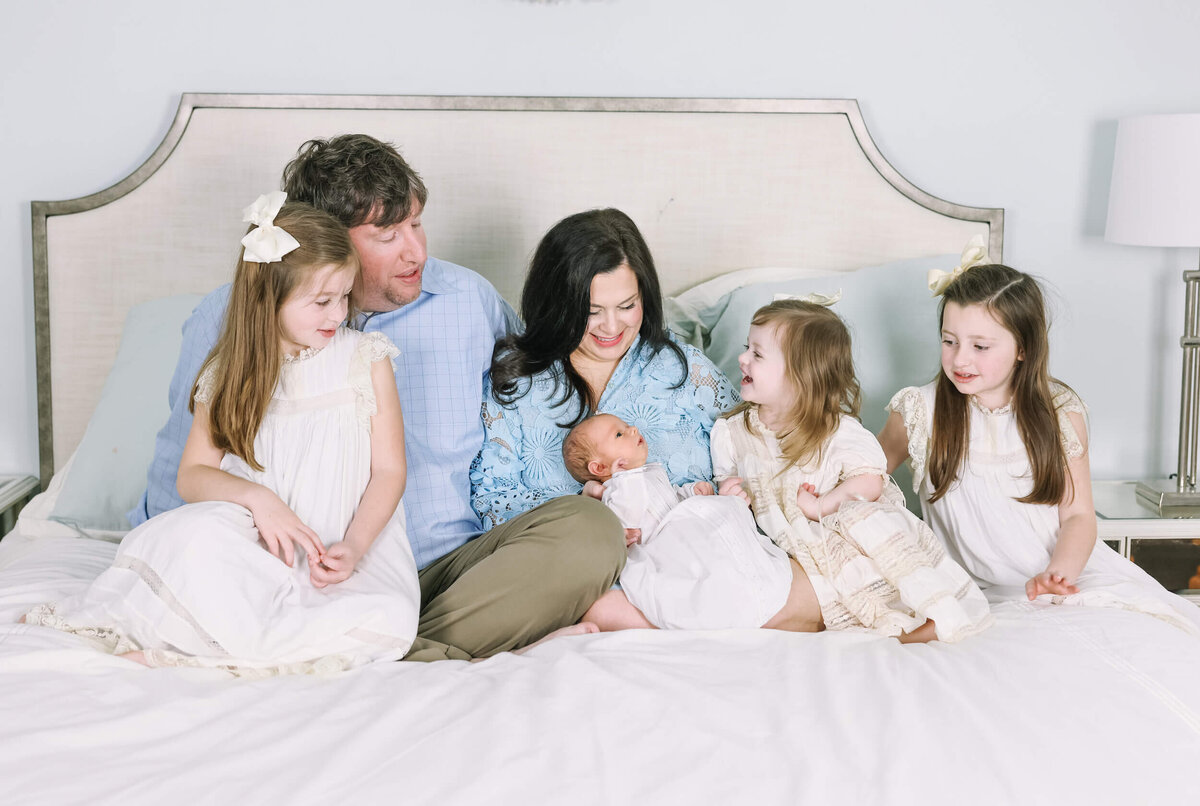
(715, 186)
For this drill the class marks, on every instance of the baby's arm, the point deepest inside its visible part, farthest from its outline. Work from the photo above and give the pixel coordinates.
(693, 489)
(384, 489)
(629, 508)
(866, 487)
(1076, 527)
(201, 478)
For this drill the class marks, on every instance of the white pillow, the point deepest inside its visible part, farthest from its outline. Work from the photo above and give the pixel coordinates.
(107, 473)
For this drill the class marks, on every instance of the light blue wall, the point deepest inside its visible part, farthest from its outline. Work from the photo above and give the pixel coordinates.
(1009, 104)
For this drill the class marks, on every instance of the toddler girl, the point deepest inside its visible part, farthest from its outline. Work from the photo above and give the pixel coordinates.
(696, 560)
(291, 556)
(999, 455)
(816, 481)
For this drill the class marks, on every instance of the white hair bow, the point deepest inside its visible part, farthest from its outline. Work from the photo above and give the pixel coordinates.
(824, 300)
(266, 243)
(973, 254)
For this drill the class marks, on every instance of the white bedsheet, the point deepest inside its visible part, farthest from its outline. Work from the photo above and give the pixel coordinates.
(1051, 705)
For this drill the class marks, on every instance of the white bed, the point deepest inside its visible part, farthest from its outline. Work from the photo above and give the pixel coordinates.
(738, 199)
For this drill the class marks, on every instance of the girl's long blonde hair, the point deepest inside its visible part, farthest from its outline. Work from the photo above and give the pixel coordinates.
(248, 354)
(1015, 300)
(819, 365)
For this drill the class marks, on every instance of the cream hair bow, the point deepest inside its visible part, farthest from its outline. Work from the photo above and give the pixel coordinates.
(973, 254)
(266, 243)
(824, 300)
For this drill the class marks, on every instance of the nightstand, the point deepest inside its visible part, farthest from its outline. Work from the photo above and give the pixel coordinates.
(1167, 545)
(15, 492)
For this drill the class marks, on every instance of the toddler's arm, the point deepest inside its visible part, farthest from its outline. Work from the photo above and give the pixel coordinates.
(201, 478)
(1076, 527)
(867, 487)
(383, 492)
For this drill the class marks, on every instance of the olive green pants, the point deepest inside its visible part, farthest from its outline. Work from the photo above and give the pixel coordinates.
(525, 578)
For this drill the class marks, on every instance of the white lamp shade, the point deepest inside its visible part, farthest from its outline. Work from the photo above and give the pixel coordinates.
(1154, 199)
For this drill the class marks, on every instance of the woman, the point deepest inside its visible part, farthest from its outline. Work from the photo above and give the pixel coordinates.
(594, 341)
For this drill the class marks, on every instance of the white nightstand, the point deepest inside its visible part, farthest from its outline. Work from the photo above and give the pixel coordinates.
(15, 492)
(1166, 545)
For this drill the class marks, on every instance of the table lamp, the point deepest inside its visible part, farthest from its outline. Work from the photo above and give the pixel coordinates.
(1154, 200)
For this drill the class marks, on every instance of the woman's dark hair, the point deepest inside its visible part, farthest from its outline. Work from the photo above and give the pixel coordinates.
(556, 299)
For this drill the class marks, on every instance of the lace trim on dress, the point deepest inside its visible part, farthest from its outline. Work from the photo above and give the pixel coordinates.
(982, 409)
(107, 639)
(909, 403)
(205, 384)
(1066, 401)
(371, 347)
(303, 355)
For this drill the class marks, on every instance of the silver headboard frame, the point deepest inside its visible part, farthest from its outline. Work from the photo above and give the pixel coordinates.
(715, 184)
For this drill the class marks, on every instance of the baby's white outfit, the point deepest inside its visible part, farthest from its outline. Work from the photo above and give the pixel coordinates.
(194, 587)
(701, 563)
(1003, 542)
(872, 564)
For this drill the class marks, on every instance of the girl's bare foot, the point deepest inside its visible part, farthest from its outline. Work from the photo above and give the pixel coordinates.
(921, 635)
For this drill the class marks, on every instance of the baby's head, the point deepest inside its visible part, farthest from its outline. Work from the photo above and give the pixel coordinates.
(602, 445)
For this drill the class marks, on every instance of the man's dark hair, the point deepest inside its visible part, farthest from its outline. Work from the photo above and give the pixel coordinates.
(356, 179)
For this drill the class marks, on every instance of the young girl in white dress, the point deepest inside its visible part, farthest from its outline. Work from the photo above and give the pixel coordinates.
(291, 555)
(817, 483)
(999, 455)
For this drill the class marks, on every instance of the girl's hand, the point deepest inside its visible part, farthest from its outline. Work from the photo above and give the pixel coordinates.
(806, 499)
(703, 488)
(733, 486)
(279, 529)
(336, 565)
(1049, 582)
(593, 489)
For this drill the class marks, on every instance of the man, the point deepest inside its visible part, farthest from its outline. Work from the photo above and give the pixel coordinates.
(480, 594)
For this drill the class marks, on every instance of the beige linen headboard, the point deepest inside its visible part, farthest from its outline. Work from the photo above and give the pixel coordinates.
(715, 185)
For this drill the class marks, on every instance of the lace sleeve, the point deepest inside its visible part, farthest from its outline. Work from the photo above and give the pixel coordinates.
(1065, 402)
(205, 384)
(371, 347)
(713, 391)
(498, 488)
(909, 403)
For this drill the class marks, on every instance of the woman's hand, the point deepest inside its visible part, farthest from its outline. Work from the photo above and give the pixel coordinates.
(806, 499)
(336, 565)
(280, 529)
(1049, 582)
(733, 486)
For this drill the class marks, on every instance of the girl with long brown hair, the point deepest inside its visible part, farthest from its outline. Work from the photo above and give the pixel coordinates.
(999, 454)
(816, 481)
(291, 555)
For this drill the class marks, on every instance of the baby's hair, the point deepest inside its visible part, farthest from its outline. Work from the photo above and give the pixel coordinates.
(578, 449)
(1015, 300)
(819, 366)
(248, 354)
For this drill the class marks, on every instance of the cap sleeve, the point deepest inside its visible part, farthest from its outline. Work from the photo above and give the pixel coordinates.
(913, 409)
(205, 383)
(855, 451)
(1065, 402)
(371, 347)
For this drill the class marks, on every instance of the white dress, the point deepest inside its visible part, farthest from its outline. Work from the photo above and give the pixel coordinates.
(872, 564)
(1002, 542)
(193, 586)
(701, 563)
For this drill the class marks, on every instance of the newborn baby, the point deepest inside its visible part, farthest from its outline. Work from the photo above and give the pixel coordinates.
(696, 560)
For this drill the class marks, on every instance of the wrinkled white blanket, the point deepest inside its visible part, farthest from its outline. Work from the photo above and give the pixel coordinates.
(1051, 705)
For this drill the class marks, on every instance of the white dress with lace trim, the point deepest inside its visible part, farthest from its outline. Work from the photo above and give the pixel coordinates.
(194, 586)
(1003, 543)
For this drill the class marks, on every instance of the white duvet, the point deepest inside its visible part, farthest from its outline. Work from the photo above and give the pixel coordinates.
(1051, 705)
